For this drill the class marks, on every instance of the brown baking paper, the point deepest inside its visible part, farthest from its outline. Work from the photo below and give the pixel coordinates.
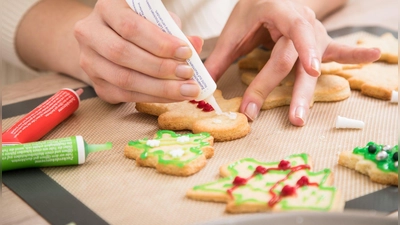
(122, 193)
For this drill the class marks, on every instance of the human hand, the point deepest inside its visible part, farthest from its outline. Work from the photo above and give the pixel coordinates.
(299, 41)
(129, 59)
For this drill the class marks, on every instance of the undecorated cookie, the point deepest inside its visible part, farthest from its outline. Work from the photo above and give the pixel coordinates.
(249, 185)
(171, 153)
(255, 60)
(200, 117)
(379, 162)
(387, 43)
(374, 80)
(329, 88)
(334, 67)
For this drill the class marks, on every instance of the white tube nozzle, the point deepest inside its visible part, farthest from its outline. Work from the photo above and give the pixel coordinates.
(395, 97)
(343, 122)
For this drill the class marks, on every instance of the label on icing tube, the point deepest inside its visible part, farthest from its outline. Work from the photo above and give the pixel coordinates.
(58, 152)
(155, 12)
(43, 118)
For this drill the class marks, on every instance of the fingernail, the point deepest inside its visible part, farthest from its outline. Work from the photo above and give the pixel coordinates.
(184, 71)
(251, 111)
(316, 65)
(190, 90)
(300, 113)
(183, 52)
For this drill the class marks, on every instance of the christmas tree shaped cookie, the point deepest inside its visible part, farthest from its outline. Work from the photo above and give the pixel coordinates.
(199, 116)
(248, 185)
(379, 162)
(171, 153)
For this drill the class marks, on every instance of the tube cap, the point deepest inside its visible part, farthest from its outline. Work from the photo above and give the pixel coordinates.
(343, 122)
(211, 100)
(395, 97)
(89, 148)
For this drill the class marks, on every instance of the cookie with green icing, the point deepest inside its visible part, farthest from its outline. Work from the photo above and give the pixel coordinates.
(379, 162)
(249, 185)
(172, 153)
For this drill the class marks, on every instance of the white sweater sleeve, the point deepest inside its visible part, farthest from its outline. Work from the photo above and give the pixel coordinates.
(12, 13)
(204, 18)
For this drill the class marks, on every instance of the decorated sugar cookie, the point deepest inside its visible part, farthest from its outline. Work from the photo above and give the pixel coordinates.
(248, 185)
(199, 116)
(172, 153)
(379, 162)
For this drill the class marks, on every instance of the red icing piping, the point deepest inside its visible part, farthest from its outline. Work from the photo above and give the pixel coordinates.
(287, 190)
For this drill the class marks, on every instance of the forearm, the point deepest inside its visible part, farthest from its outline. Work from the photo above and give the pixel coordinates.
(322, 8)
(45, 39)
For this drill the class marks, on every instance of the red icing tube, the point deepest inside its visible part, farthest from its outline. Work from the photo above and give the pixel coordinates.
(37, 123)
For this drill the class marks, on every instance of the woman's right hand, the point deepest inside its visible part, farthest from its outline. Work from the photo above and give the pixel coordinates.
(129, 59)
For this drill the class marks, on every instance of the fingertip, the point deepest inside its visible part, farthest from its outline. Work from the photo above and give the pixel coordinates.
(251, 111)
(316, 67)
(299, 116)
(376, 53)
(197, 43)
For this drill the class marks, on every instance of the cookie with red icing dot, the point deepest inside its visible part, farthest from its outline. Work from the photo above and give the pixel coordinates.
(199, 116)
(249, 185)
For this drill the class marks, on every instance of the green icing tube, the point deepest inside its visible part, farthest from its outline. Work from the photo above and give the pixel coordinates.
(58, 152)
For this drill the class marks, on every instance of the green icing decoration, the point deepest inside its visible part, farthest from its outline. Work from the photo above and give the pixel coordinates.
(193, 147)
(259, 184)
(385, 165)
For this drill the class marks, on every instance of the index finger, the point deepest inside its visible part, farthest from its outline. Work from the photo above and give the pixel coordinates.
(299, 28)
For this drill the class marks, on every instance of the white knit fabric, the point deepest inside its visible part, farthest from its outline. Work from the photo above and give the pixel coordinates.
(204, 18)
(12, 13)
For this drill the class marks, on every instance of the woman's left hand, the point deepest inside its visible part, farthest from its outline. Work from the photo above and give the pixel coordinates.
(298, 40)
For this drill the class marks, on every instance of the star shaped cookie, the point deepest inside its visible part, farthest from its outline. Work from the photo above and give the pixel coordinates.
(172, 153)
(329, 88)
(199, 117)
(249, 185)
(387, 43)
(375, 80)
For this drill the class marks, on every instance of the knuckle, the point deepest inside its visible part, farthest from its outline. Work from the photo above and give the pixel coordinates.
(100, 5)
(260, 93)
(116, 51)
(166, 68)
(124, 79)
(284, 64)
(127, 28)
(167, 91)
(79, 30)
(309, 14)
(84, 62)
(104, 93)
(164, 48)
(302, 23)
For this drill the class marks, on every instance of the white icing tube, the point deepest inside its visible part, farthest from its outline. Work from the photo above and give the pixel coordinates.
(155, 12)
(343, 122)
(395, 97)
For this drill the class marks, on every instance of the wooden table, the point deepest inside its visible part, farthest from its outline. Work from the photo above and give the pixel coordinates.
(16, 211)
